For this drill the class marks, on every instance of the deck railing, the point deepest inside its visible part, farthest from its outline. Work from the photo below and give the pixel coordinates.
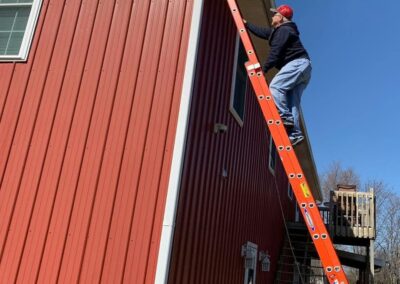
(325, 214)
(352, 214)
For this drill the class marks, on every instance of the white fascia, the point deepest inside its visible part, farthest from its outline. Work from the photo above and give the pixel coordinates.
(164, 254)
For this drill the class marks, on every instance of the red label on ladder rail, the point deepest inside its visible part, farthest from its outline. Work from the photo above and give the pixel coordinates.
(316, 227)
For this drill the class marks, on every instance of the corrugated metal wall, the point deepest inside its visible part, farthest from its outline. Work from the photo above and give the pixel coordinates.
(86, 136)
(217, 214)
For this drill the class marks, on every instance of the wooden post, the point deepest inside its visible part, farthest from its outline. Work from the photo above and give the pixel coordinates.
(371, 255)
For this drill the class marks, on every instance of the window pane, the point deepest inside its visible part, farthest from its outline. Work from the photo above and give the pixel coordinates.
(240, 83)
(22, 19)
(272, 154)
(14, 43)
(7, 16)
(15, 1)
(13, 22)
(3, 42)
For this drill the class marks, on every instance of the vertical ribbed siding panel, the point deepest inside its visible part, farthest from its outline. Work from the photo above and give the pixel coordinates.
(217, 215)
(17, 124)
(5, 81)
(55, 259)
(87, 131)
(10, 113)
(39, 139)
(47, 221)
(82, 216)
(33, 95)
(147, 148)
(152, 260)
(14, 99)
(102, 201)
(153, 153)
(113, 259)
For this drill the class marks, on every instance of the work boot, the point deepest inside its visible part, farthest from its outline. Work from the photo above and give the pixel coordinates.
(296, 140)
(288, 123)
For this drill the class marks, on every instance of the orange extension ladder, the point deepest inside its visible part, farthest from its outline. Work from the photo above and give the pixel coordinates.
(330, 261)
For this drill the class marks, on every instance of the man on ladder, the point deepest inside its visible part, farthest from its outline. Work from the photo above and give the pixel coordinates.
(289, 56)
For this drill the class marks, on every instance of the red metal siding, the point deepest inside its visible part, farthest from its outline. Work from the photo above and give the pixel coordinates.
(217, 215)
(86, 136)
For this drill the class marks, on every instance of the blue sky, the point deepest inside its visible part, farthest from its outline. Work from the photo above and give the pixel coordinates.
(351, 106)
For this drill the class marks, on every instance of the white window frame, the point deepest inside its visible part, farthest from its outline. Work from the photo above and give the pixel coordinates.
(271, 150)
(29, 31)
(231, 107)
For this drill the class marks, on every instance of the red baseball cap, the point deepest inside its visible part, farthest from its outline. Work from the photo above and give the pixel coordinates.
(284, 10)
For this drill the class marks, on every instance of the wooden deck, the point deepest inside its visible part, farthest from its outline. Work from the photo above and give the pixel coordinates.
(352, 214)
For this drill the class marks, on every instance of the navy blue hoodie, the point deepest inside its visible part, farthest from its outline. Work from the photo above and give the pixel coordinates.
(284, 42)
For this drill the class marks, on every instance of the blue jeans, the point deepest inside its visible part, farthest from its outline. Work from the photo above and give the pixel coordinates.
(287, 87)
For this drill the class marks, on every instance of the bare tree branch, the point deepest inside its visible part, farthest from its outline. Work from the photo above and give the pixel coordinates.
(387, 243)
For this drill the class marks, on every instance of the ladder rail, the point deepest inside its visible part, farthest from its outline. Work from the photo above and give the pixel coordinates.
(319, 234)
(300, 187)
(296, 177)
(298, 184)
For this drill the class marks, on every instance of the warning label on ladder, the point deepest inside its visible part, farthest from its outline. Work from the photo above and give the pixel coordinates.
(305, 190)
